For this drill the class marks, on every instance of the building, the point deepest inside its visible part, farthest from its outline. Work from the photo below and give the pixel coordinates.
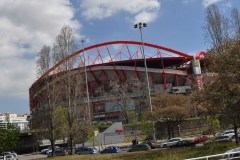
(170, 71)
(20, 121)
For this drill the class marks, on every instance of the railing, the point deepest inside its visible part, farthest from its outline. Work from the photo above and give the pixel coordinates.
(225, 156)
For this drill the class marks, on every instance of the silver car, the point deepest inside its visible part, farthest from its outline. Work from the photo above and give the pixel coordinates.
(10, 157)
(170, 142)
(232, 154)
(2, 157)
(58, 152)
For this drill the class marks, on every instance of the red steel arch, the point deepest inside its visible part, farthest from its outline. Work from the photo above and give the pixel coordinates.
(122, 42)
(199, 54)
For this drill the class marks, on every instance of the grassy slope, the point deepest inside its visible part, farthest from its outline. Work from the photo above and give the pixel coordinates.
(162, 154)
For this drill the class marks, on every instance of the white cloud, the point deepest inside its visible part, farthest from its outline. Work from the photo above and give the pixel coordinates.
(188, 1)
(25, 27)
(228, 5)
(145, 17)
(16, 76)
(144, 10)
(207, 3)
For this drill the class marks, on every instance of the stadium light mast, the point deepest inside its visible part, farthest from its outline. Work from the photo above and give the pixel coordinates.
(140, 25)
(86, 81)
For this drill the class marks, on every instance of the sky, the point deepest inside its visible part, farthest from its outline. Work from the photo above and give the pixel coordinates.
(27, 25)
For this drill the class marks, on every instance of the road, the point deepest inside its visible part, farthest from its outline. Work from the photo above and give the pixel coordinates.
(31, 156)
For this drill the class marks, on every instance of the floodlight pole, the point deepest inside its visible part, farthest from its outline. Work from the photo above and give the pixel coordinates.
(140, 26)
(86, 81)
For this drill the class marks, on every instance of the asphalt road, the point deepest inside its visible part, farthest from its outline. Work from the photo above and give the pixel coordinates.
(31, 156)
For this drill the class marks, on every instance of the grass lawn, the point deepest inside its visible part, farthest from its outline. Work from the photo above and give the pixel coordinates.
(162, 154)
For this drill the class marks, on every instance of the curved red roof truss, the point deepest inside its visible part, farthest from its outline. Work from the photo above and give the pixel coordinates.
(123, 50)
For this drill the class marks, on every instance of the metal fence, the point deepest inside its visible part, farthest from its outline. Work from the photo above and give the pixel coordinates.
(225, 156)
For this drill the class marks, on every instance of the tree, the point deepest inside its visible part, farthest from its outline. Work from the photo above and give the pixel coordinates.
(63, 47)
(60, 120)
(139, 90)
(43, 60)
(77, 117)
(172, 109)
(48, 127)
(79, 130)
(213, 124)
(62, 89)
(236, 23)
(72, 89)
(119, 94)
(9, 138)
(216, 27)
(222, 94)
(44, 121)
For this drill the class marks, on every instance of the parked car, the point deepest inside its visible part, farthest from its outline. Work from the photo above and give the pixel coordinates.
(6, 153)
(170, 142)
(88, 150)
(2, 157)
(44, 151)
(223, 138)
(140, 147)
(111, 149)
(150, 143)
(228, 133)
(58, 152)
(15, 154)
(183, 143)
(219, 139)
(200, 139)
(69, 151)
(10, 157)
(58, 148)
(232, 154)
(79, 149)
(233, 137)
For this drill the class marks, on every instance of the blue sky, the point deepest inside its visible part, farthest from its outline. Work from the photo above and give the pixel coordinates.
(26, 25)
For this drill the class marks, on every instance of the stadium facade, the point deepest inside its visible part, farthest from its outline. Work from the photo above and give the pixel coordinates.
(169, 70)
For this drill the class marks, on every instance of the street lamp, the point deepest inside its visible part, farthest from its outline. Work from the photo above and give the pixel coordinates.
(86, 81)
(140, 26)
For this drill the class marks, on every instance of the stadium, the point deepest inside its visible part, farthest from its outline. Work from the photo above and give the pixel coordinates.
(170, 71)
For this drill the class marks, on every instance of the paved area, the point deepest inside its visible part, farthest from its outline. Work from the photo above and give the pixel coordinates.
(31, 156)
(34, 156)
(124, 146)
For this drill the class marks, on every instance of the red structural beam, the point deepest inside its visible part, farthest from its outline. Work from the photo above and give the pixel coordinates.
(111, 43)
(198, 56)
(95, 78)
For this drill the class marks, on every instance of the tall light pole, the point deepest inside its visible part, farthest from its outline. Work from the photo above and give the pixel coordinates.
(86, 81)
(140, 26)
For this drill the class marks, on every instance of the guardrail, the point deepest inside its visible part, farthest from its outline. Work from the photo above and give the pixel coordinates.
(225, 156)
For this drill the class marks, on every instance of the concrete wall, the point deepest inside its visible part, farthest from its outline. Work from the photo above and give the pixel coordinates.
(112, 135)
